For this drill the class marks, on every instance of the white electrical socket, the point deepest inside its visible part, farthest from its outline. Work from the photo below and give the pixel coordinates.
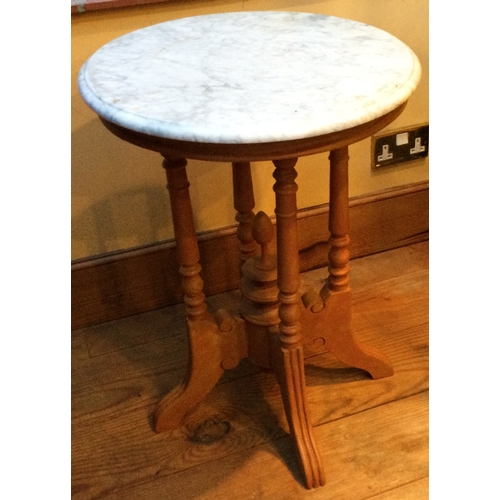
(418, 146)
(385, 154)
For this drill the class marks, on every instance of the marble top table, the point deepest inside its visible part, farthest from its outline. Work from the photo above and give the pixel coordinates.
(242, 87)
(249, 77)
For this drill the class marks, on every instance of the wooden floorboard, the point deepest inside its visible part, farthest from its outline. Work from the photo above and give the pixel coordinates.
(416, 490)
(372, 434)
(366, 454)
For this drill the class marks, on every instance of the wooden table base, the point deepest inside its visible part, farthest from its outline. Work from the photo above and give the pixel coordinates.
(275, 321)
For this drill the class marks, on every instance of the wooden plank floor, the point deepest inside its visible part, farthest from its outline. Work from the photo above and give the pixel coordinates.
(372, 434)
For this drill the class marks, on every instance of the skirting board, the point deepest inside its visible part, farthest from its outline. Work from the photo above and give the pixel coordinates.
(112, 286)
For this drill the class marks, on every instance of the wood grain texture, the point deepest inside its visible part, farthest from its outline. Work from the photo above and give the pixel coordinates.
(416, 490)
(129, 282)
(361, 465)
(372, 434)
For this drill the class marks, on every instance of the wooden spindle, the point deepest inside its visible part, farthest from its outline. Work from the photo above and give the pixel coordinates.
(185, 237)
(244, 204)
(288, 250)
(338, 257)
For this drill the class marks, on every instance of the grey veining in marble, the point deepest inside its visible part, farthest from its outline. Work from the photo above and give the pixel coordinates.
(249, 77)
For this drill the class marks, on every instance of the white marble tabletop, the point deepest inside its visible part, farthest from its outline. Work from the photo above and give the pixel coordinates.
(249, 77)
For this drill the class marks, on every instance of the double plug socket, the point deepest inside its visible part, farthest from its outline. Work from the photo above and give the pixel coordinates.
(402, 146)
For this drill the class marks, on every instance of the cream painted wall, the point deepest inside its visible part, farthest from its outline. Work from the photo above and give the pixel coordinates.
(119, 198)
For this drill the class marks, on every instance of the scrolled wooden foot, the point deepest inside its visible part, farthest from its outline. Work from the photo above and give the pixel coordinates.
(288, 365)
(331, 327)
(203, 373)
(214, 346)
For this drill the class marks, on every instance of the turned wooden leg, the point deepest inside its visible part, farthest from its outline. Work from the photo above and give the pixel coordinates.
(336, 293)
(188, 254)
(244, 204)
(289, 358)
(211, 350)
(338, 223)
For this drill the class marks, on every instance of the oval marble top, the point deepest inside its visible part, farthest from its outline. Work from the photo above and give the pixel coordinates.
(249, 77)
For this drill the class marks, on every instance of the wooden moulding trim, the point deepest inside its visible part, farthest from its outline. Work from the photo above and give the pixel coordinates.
(132, 281)
(368, 198)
